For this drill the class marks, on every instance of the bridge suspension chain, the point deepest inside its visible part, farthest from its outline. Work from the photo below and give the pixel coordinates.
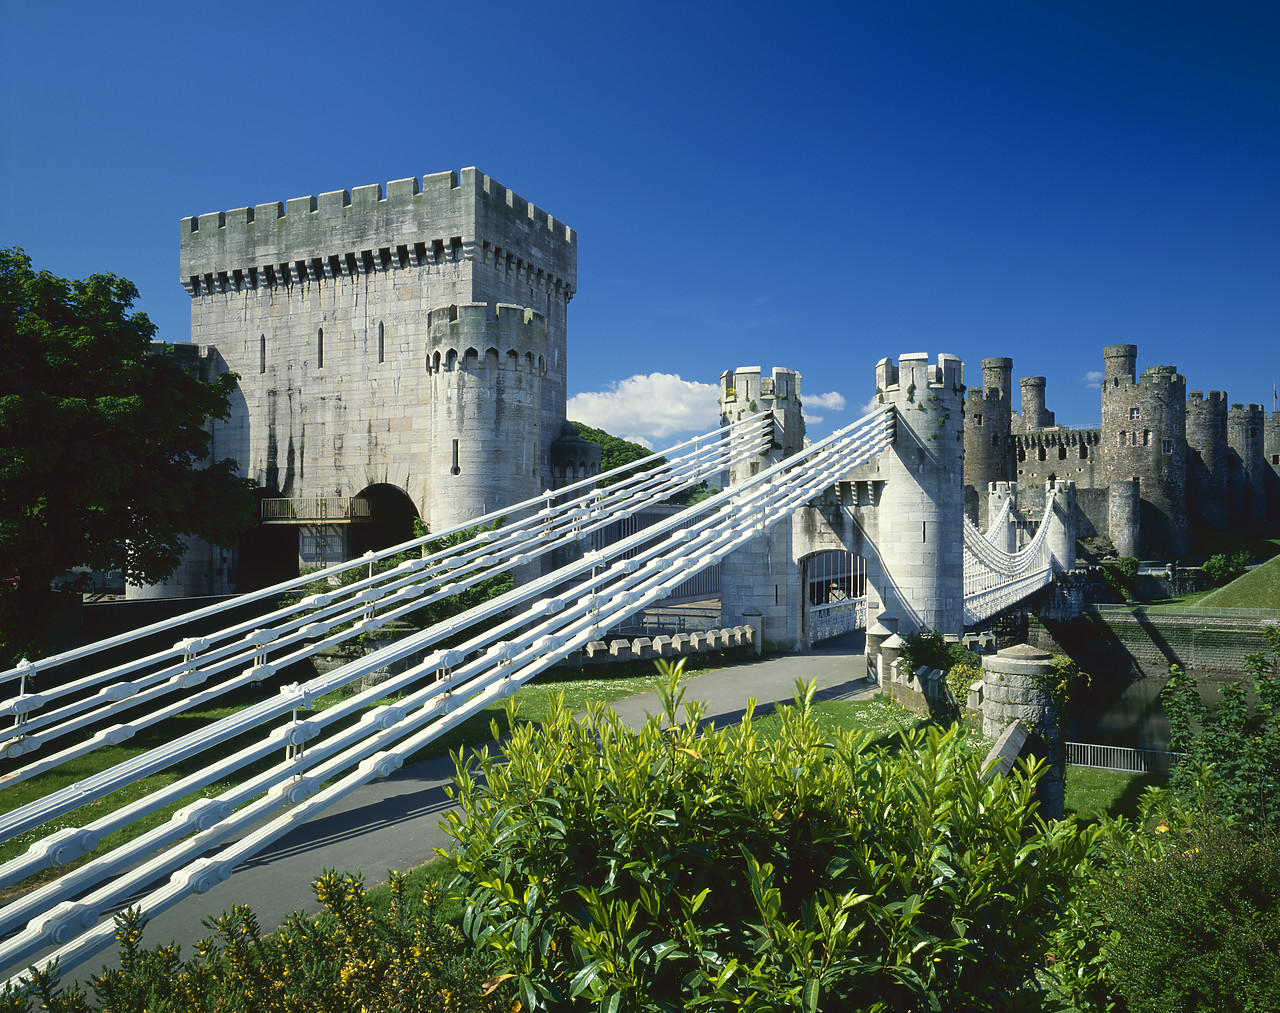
(994, 579)
(486, 666)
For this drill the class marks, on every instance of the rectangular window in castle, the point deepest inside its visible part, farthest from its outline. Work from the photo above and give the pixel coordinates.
(262, 353)
(1133, 438)
(320, 348)
(455, 470)
(977, 420)
(382, 348)
(1135, 413)
(1275, 458)
(1120, 438)
(1146, 437)
(1167, 446)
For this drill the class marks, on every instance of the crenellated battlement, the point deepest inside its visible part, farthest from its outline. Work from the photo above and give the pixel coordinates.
(1252, 413)
(444, 217)
(476, 336)
(1214, 398)
(914, 368)
(1153, 379)
(1058, 438)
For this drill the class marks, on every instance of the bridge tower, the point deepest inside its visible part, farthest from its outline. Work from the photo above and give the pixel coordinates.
(760, 582)
(918, 561)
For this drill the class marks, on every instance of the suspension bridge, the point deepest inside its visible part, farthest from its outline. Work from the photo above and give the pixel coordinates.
(886, 478)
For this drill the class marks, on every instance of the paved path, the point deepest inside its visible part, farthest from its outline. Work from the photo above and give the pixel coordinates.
(394, 823)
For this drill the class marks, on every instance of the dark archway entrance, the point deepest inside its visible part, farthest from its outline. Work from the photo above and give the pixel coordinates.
(390, 520)
(268, 553)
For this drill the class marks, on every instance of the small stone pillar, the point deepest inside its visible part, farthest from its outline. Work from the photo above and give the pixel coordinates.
(1013, 689)
(890, 652)
(752, 617)
(884, 627)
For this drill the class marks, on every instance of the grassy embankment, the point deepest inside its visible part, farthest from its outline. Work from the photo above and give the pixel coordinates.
(1259, 588)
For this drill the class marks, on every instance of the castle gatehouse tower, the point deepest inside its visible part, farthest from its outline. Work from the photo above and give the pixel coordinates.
(411, 338)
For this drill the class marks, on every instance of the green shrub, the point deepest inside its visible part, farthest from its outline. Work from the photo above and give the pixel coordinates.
(1199, 926)
(1128, 569)
(350, 959)
(1239, 745)
(1223, 569)
(666, 869)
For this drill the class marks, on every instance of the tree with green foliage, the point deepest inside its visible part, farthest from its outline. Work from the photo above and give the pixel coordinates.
(1238, 744)
(616, 452)
(103, 447)
(1223, 569)
(668, 869)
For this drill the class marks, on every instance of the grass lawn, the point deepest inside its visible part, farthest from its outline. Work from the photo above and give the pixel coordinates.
(1259, 588)
(1091, 792)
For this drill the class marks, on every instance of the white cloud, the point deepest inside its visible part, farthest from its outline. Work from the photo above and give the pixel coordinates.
(1092, 380)
(648, 408)
(873, 405)
(811, 420)
(831, 401)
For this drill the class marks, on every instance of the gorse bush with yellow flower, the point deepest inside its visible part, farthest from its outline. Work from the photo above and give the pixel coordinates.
(350, 960)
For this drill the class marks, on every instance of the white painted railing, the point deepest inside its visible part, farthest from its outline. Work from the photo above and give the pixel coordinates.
(837, 617)
(503, 643)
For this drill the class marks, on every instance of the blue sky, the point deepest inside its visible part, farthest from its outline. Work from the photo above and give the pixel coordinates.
(813, 186)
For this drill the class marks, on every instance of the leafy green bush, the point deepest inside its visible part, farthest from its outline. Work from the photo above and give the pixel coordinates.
(666, 869)
(930, 647)
(1198, 928)
(1223, 569)
(1128, 568)
(1239, 745)
(349, 960)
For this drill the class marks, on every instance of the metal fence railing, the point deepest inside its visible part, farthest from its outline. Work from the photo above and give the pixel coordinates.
(1138, 761)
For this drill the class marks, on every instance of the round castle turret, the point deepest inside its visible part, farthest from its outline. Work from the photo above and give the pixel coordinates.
(1246, 483)
(1034, 416)
(1207, 460)
(1119, 364)
(757, 580)
(987, 425)
(921, 540)
(486, 409)
(1144, 432)
(743, 392)
(1271, 453)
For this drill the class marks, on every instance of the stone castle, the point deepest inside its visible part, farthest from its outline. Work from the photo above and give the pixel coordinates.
(1163, 460)
(401, 353)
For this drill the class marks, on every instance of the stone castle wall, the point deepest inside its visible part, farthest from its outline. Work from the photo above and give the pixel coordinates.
(414, 337)
(1195, 463)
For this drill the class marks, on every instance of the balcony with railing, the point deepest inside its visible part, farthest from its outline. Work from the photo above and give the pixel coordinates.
(316, 510)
